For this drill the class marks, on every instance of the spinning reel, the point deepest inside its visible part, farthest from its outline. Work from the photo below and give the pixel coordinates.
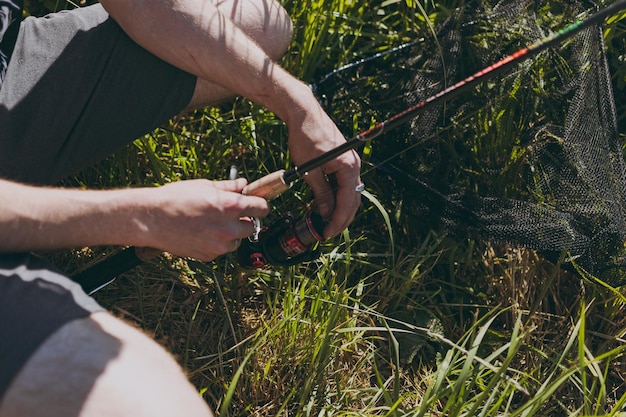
(285, 242)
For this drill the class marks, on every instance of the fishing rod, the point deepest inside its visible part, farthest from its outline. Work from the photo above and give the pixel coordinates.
(278, 182)
(289, 241)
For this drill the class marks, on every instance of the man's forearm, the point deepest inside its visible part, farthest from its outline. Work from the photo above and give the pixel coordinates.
(194, 36)
(37, 218)
(196, 218)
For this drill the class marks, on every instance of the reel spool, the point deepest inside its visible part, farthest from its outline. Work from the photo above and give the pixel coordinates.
(285, 242)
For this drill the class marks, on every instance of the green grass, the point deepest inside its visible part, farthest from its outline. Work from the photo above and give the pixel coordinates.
(396, 318)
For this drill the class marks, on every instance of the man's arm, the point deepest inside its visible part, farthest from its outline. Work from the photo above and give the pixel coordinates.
(200, 218)
(196, 37)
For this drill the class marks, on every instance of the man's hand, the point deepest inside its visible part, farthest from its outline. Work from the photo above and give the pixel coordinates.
(311, 133)
(197, 37)
(200, 219)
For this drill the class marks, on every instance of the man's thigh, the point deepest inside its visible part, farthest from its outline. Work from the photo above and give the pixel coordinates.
(63, 355)
(76, 90)
(100, 366)
(35, 301)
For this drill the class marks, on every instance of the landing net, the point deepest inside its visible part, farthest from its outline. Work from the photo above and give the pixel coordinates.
(531, 158)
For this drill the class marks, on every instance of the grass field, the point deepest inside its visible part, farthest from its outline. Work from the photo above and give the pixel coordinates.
(398, 317)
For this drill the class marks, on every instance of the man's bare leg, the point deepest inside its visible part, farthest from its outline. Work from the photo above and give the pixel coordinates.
(265, 22)
(100, 366)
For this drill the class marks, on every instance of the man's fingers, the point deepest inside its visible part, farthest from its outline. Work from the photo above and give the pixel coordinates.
(246, 227)
(250, 206)
(235, 186)
(345, 194)
(323, 193)
(230, 236)
(253, 207)
(336, 203)
(348, 200)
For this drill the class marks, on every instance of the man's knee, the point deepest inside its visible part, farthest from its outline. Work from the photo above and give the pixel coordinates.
(281, 31)
(265, 21)
(101, 366)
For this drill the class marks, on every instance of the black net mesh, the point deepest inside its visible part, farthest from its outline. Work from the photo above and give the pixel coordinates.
(531, 157)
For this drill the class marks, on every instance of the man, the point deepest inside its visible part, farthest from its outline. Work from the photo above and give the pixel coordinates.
(79, 85)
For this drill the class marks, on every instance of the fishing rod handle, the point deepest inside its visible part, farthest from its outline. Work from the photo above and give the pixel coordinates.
(268, 187)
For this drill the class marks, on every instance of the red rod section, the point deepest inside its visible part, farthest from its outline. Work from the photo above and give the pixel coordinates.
(454, 90)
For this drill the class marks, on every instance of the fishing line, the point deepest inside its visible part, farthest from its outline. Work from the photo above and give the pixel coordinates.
(379, 55)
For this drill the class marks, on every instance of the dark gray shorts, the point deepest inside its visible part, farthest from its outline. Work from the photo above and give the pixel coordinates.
(76, 90)
(35, 301)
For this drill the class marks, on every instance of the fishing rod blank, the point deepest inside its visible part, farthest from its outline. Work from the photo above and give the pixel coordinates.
(274, 184)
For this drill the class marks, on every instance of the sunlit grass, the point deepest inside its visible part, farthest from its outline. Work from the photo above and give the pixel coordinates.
(389, 321)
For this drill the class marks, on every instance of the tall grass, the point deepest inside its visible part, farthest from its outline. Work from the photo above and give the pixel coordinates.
(385, 323)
